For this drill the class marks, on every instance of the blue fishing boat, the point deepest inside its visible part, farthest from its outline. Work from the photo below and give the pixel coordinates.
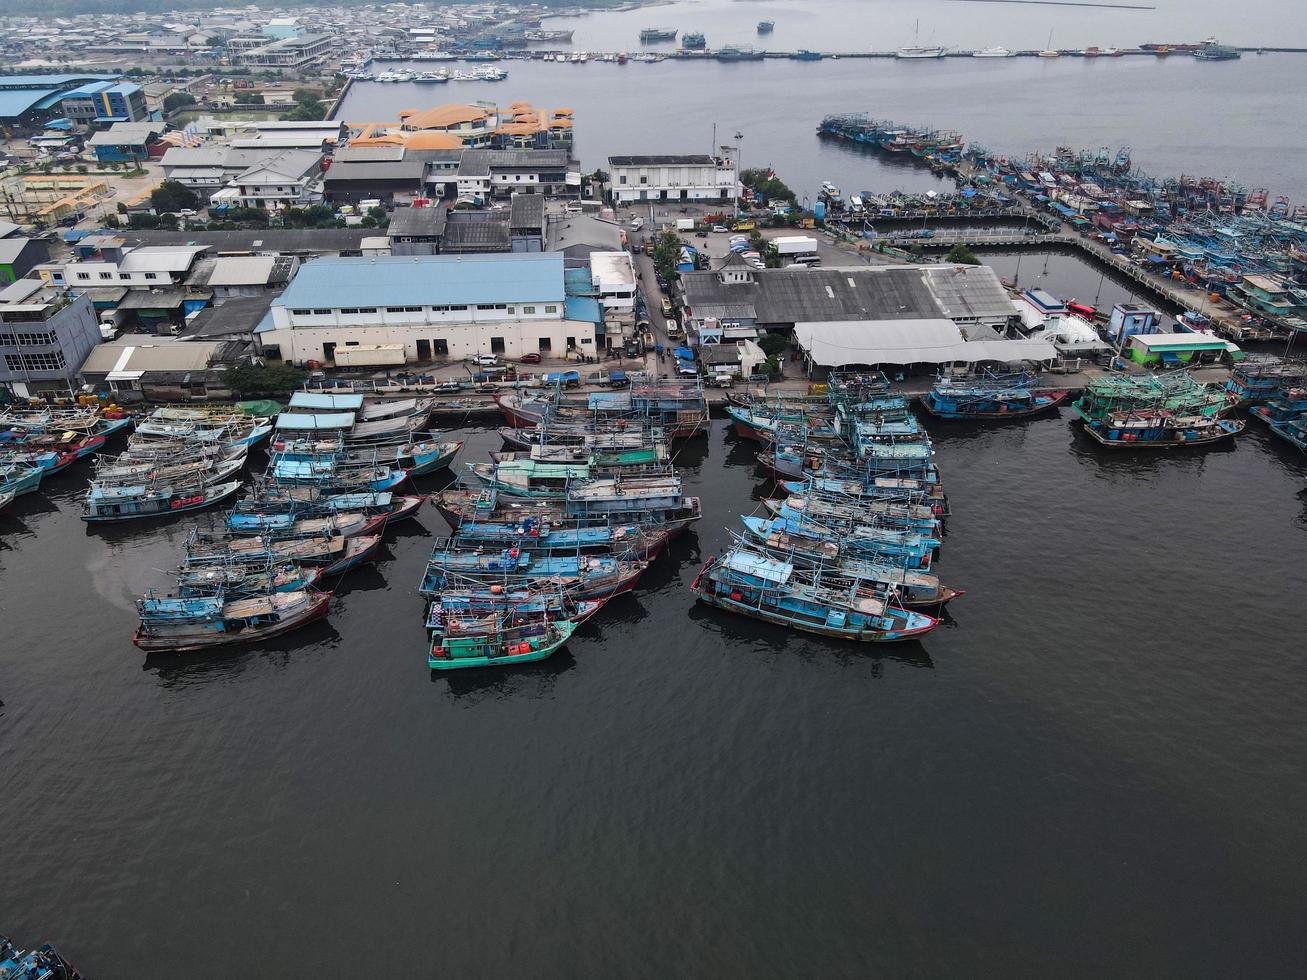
(245, 578)
(990, 397)
(1285, 406)
(1293, 432)
(469, 610)
(752, 584)
(122, 503)
(544, 535)
(19, 478)
(898, 510)
(178, 623)
(335, 554)
(1161, 429)
(42, 963)
(588, 577)
(1257, 379)
(500, 648)
(327, 471)
(867, 540)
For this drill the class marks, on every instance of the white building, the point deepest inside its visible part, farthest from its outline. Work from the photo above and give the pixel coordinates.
(142, 267)
(688, 177)
(435, 306)
(247, 176)
(613, 276)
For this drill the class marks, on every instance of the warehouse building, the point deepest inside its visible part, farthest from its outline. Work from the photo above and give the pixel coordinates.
(425, 307)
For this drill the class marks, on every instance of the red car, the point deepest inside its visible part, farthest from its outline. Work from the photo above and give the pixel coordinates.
(530, 358)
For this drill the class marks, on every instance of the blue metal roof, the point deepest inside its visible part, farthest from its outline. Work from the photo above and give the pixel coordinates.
(422, 280)
(314, 400)
(15, 102)
(90, 88)
(334, 420)
(584, 308)
(40, 81)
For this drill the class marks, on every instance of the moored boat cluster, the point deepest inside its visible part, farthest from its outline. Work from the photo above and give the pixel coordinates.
(569, 516)
(319, 509)
(35, 444)
(847, 550)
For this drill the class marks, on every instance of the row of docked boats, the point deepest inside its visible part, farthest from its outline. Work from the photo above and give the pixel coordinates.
(1275, 392)
(318, 510)
(847, 548)
(1156, 411)
(38, 443)
(567, 516)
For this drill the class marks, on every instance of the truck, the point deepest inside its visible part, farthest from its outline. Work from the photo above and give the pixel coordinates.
(370, 355)
(685, 224)
(794, 245)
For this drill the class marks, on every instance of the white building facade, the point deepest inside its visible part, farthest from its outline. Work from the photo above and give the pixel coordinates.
(438, 307)
(688, 177)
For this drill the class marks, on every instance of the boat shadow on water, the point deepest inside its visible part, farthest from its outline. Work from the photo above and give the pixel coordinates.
(755, 636)
(199, 667)
(529, 680)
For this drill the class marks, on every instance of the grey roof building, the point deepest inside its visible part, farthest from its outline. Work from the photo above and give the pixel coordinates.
(303, 242)
(45, 336)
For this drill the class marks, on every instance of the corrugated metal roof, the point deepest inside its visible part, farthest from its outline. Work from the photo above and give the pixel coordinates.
(915, 341)
(969, 291)
(419, 280)
(416, 223)
(242, 270)
(162, 356)
(321, 400)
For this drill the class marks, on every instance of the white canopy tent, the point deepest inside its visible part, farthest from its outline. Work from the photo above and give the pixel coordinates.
(843, 342)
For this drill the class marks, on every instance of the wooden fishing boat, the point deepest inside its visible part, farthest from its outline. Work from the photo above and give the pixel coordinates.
(752, 584)
(586, 577)
(345, 524)
(245, 578)
(129, 502)
(990, 397)
(1160, 430)
(564, 536)
(500, 649)
(336, 554)
(177, 624)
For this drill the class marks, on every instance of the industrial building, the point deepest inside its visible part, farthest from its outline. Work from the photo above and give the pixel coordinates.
(46, 334)
(426, 307)
(933, 314)
(684, 177)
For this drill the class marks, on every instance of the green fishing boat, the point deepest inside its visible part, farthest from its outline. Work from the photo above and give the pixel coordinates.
(497, 649)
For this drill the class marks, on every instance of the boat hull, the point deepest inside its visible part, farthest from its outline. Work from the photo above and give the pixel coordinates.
(1055, 398)
(181, 644)
(859, 635)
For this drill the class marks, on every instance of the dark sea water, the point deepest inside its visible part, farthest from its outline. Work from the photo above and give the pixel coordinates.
(1093, 769)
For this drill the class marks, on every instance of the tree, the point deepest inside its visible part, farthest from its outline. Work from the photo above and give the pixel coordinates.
(142, 219)
(379, 216)
(177, 100)
(168, 221)
(172, 196)
(667, 253)
(773, 344)
(272, 379)
(962, 255)
(764, 184)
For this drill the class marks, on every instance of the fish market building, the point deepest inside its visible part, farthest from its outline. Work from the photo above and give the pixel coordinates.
(430, 307)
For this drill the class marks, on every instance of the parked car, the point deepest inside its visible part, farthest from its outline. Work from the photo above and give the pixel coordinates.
(667, 307)
(572, 207)
(486, 360)
(637, 224)
(720, 229)
(530, 358)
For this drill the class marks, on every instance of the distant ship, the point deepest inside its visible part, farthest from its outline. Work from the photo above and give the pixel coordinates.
(998, 51)
(915, 50)
(920, 51)
(694, 42)
(765, 26)
(548, 36)
(739, 53)
(650, 34)
(804, 54)
(1211, 50)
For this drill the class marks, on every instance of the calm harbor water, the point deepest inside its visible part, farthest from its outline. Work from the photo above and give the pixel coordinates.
(1094, 769)
(883, 25)
(1240, 120)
